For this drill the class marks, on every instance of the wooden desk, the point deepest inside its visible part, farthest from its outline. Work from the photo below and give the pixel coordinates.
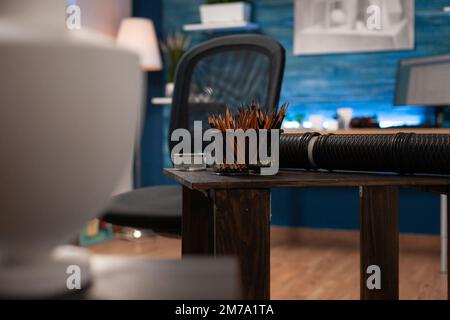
(231, 216)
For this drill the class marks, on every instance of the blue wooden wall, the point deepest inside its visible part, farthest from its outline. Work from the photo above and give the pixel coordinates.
(323, 83)
(315, 84)
(152, 145)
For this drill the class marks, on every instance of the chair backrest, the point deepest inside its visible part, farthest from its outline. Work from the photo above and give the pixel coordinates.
(228, 71)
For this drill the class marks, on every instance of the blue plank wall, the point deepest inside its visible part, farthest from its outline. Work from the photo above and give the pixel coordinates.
(320, 84)
(152, 144)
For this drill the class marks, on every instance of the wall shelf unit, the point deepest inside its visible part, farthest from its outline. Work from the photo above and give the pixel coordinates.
(162, 101)
(223, 27)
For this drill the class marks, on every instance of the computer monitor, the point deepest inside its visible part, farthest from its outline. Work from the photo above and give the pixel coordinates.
(424, 81)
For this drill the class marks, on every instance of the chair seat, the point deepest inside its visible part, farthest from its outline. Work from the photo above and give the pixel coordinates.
(158, 208)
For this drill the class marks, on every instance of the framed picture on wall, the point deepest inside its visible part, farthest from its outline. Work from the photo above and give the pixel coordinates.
(342, 26)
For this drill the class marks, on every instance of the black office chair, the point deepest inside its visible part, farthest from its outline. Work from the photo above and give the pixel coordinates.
(229, 71)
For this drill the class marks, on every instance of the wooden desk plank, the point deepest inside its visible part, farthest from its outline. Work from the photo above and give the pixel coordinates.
(198, 223)
(205, 180)
(242, 230)
(379, 243)
(231, 223)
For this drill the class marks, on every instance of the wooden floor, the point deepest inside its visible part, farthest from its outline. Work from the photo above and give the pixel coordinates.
(309, 264)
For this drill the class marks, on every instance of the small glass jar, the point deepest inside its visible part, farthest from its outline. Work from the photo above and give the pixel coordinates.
(189, 161)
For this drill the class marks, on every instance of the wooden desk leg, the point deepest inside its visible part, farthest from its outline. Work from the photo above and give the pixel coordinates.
(379, 241)
(242, 225)
(197, 223)
(233, 223)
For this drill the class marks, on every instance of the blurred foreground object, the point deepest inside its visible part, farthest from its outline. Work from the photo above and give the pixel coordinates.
(193, 278)
(70, 108)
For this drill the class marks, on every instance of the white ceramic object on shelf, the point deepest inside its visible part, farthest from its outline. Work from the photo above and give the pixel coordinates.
(331, 125)
(345, 116)
(225, 12)
(169, 89)
(222, 27)
(70, 107)
(317, 121)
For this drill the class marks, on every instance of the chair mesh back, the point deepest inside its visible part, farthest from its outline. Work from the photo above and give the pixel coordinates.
(226, 72)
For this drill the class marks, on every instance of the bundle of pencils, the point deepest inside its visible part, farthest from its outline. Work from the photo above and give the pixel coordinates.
(251, 117)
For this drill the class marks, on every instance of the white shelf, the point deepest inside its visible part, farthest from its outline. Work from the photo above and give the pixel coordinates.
(223, 27)
(162, 100)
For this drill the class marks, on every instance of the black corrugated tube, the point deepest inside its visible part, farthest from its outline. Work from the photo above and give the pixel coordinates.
(402, 152)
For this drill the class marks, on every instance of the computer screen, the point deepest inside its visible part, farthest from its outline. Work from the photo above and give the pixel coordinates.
(423, 81)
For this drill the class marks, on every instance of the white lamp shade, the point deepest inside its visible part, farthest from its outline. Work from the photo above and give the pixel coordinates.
(138, 35)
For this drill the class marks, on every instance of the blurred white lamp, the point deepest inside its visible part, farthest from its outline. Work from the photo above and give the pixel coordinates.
(139, 35)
